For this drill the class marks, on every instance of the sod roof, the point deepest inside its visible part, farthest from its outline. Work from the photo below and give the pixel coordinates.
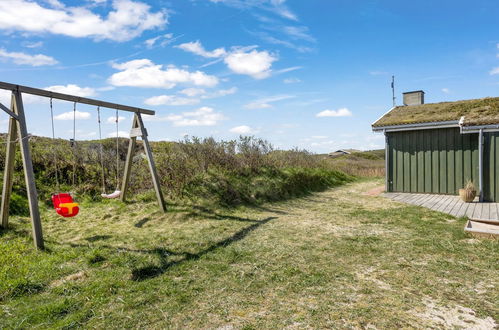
(476, 112)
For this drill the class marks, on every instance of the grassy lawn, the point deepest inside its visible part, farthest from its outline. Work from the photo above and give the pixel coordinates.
(338, 258)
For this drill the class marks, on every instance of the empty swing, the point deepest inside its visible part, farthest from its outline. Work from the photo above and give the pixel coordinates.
(63, 203)
(117, 192)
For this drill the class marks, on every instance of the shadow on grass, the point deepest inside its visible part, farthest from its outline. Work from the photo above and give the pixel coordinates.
(98, 238)
(13, 229)
(142, 222)
(147, 272)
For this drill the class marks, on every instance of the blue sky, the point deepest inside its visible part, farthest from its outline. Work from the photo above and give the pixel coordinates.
(310, 74)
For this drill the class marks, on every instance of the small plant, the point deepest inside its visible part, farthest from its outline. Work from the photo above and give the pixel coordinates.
(468, 193)
(470, 186)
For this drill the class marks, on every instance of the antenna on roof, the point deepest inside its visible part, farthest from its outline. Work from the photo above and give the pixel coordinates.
(393, 91)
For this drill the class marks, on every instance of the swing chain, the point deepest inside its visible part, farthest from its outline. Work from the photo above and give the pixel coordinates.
(117, 151)
(55, 152)
(73, 144)
(101, 153)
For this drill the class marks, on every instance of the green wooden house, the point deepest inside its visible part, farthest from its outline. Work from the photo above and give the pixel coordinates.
(438, 147)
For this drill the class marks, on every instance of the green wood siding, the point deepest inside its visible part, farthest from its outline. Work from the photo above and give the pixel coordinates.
(491, 166)
(437, 161)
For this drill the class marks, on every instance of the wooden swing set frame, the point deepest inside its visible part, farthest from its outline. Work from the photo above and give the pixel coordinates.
(18, 132)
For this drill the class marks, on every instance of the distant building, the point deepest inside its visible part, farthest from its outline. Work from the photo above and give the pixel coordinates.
(438, 147)
(342, 152)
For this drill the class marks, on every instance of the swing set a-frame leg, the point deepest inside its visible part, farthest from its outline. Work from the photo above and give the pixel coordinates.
(137, 130)
(20, 130)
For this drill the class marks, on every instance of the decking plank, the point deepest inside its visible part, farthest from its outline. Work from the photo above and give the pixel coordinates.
(478, 211)
(471, 209)
(441, 204)
(424, 199)
(449, 204)
(457, 207)
(450, 207)
(430, 202)
(414, 198)
(485, 211)
(462, 210)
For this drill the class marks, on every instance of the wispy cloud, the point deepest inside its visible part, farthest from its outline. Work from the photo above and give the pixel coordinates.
(343, 112)
(291, 81)
(494, 71)
(27, 59)
(277, 7)
(204, 116)
(264, 103)
(197, 48)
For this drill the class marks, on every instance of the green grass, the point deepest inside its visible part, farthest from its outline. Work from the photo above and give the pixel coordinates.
(335, 259)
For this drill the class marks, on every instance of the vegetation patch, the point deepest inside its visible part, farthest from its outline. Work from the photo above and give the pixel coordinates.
(333, 259)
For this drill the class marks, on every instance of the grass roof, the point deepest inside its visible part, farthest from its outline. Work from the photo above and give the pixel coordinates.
(476, 112)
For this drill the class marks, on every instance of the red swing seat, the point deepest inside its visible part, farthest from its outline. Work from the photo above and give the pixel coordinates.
(64, 205)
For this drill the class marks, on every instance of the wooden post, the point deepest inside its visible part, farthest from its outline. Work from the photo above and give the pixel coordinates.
(128, 162)
(138, 129)
(29, 174)
(8, 176)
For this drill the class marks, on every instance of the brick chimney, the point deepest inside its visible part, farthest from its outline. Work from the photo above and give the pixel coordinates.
(413, 98)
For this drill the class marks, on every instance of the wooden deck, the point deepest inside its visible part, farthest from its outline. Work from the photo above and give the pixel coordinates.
(452, 205)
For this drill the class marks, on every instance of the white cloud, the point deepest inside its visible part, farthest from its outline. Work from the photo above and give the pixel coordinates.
(112, 119)
(319, 137)
(144, 73)
(127, 20)
(191, 92)
(195, 95)
(343, 112)
(242, 130)
(122, 134)
(33, 44)
(264, 103)
(446, 90)
(73, 90)
(26, 59)
(69, 115)
(240, 60)
(495, 71)
(198, 49)
(220, 93)
(203, 116)
(161, 40)
(251, 62)
(171, 100)
(291, 81)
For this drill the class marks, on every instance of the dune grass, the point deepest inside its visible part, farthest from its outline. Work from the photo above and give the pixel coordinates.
(338, 258)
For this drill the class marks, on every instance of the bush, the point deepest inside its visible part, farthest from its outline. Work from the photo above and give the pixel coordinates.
(247, 170)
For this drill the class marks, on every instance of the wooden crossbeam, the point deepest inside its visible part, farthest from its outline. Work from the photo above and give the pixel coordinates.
(73, 98)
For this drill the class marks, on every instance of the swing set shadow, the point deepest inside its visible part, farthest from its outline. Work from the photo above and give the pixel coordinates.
(18, 133)
(152, 271)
